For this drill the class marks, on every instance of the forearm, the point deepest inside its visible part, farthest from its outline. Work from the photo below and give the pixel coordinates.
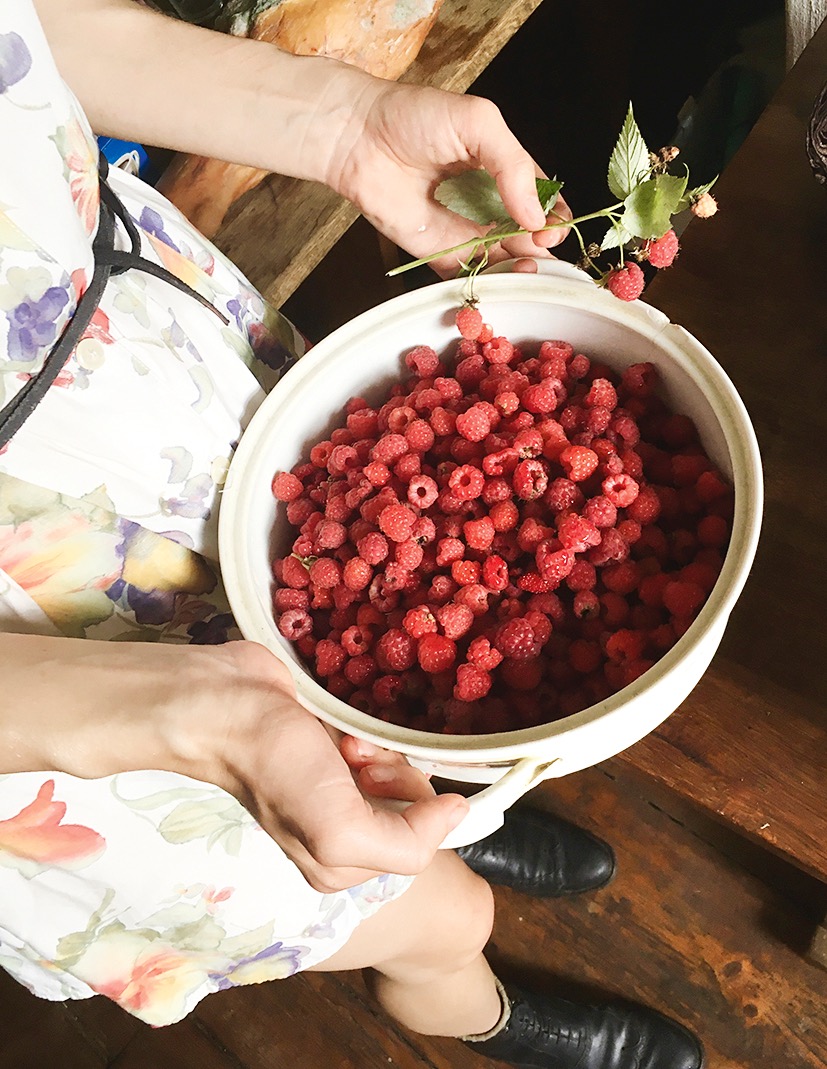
(153, 79)
(94, 708)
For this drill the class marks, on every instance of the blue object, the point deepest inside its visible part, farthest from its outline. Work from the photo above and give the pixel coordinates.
(128, 156)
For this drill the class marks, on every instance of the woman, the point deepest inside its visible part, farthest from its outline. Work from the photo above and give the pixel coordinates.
(218, 866)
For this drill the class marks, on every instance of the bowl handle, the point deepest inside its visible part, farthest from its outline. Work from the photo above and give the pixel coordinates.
(488, 807)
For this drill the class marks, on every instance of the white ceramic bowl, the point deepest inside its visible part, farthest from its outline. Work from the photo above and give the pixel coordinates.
(364, 358)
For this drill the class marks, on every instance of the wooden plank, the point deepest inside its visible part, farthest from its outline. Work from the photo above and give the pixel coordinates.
(749, 744)
(35, 1033)
(180, 1046)
(280, 230)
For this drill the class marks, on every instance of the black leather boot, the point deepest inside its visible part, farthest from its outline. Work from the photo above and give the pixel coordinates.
(552, 1033)
(542, 855)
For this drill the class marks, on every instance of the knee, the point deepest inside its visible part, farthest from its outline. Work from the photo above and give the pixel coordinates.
(468, 912)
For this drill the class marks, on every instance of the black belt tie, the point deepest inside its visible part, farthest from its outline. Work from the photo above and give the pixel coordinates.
(108, 261)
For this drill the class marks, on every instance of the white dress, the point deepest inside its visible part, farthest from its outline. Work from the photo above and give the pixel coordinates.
(147, 887)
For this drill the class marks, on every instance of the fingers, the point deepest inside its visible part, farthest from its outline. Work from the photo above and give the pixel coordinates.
(401, 781)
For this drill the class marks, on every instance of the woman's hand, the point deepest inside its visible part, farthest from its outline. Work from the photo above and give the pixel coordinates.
(404, 140)
(221, 714)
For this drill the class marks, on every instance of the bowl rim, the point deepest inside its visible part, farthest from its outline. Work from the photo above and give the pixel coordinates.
(570, 292)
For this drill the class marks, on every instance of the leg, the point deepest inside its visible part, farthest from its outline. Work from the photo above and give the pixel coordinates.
(424, 953)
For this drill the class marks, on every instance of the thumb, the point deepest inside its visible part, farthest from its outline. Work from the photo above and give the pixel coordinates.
(433, 818)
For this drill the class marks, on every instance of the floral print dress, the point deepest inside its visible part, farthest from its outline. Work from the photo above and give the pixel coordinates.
(147, 887)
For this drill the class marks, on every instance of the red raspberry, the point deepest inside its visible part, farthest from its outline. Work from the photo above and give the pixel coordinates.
(424, 530)
(553, 565)
(622, 578)
(483, 654)
(422, 491)
(343, 458)
(399, 419)
(497, 350)
(396, 651)
(621, 490)
(579, 367)
(472, 683)
(469, 322)
(601, 394)
(711, 487)
(357, 574)
(320, 454)
(626, 282)
(629, 531)
(396, 521)
(387, 690)
(504, 515)
(436, 653)
(479, 534)
(466, 482)
(356, 640)
(360, 670)
(408, 467)
(325, 573)
(531, 534)
(330, 657)
(373, 548)
(713, 531)
(516, 639)
(330, 535)
(474, 424)
(470, 372)
(586, 605)
(420, 436)
(420, 621)
(455, 619)
(540, 625)
(422, 360)
(448, 550)
(390, 448)
(294, 573)
(496, 490)
(409, 554)
(448, 389)
(584, 656)
(465, 572)
(663, 251)
(506, 403)
(286, 487)
(475, 596)
(287, 598)
(528, 443)
(576, 532)
(578, 462)
(540, 398)
(503, 462)
(295, 624)
(626, 645)
(600, 511)
(530, 480)
(364, 423)
(683, 599)
(299, 510)
(495, 573)
(583, 576)
(396, 577)
(563, 494)
(534, 583)
(646, 507)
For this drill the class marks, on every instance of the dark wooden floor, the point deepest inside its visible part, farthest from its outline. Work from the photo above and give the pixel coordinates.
(685, 926)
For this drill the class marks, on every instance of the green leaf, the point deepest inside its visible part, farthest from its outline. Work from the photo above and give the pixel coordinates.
(650, 207)
(474, 195)
(616, 236)
(693, 194)
(629, 161)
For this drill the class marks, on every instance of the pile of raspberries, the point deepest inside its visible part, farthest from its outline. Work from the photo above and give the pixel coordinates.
(515, 534)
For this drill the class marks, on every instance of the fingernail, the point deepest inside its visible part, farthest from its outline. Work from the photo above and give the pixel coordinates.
(365, 748)
(380, 773)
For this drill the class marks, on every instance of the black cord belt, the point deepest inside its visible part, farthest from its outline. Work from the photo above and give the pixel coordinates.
(108, 261)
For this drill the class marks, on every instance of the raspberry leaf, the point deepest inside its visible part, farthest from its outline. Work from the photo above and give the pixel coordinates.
(616, 235)
(629, 162)
(474, 195)
(650, 207)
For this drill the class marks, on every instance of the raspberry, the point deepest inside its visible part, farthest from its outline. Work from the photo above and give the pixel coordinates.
(342, 459)
(356, 640)
(357, 574)
(516, 639)
(330, 535)
(420, 621)
(540, 398)
(287, 598)
(710, 487)
(465, 572)
(330, 657)
(469, 322)
(395, 651)
(294, 573)
(396, 521)
(713, 531)
(286, 487)
(503, 462)
(583, 576)
(621, 490)
(390, 448)
(422, 491)
(704, 206)
(472, 684)
(475, 597)
(483, 654)
(479, 534)
(455, 619)
(601, 512)
(419, 436)
(540, 625)
(662, 252)
(496, 490)
(586, 605)
(530, 480)
(577, 533)
(295, 624)
(497, 350)
(396, 577)
(325, 573)
(448, 389)
(360, 670)
(626, 282)
(584, 656)
(299, 510)
(562, 494)
(578, 462)
(682, 598)
(474, 424)
(448, 550)
(320, 454)
(409, 554)
(495, 573)
(601, 394)
(553, 565)
(436, 653)
(504, 515)
(422, 360)
(625, 646)
(466, 482)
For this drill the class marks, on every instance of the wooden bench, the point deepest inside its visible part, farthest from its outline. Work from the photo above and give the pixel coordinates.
(749, 746)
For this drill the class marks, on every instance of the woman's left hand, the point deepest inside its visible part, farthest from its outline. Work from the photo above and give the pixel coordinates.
(404, 140)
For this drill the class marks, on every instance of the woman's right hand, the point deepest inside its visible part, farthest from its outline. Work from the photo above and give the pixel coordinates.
(221, 714)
